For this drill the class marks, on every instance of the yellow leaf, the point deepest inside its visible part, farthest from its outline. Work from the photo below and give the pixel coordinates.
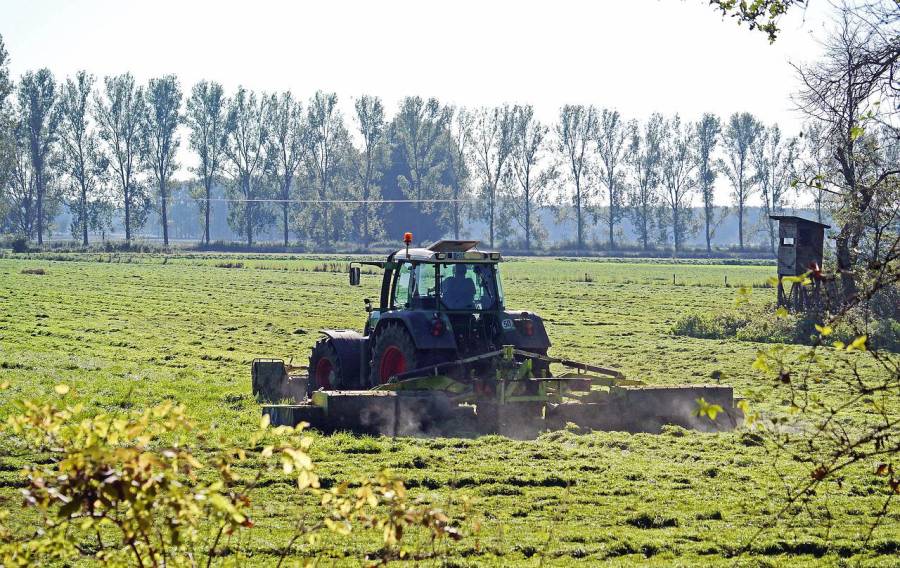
(824, 330)
(760, 363)
(781, 312)
(838, 344)
(859, 344)
(267, 451)
(61, 389)
(264, 421)
(4, 385)
(706, 409)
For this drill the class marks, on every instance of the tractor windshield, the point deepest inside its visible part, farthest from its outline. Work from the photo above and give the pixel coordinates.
(469, 287)
(456, 286)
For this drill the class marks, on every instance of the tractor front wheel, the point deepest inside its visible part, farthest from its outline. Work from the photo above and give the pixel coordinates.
(394, 353)
(324, 367)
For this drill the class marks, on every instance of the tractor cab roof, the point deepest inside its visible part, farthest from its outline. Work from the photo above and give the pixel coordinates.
(447, 251)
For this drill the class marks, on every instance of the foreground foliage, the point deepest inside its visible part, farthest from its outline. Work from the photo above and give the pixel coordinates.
(133, 482)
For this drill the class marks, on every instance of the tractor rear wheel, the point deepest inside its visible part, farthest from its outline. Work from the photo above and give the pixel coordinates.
(324, 367)
(394, 353)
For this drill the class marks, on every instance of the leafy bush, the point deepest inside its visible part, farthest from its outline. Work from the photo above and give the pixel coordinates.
(764, 324)
(126, 489)
(711, 326)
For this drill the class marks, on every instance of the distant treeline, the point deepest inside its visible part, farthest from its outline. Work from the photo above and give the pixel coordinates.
(103, 155)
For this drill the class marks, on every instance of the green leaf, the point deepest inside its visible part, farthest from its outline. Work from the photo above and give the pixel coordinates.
(856, 132)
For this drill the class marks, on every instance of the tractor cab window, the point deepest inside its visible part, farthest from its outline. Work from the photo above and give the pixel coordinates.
(469, 286)
(402, 286)
(415, 287)
(424, 292)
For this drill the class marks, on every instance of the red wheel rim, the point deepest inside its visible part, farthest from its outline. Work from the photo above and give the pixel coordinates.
(392, 363)
(324, 369)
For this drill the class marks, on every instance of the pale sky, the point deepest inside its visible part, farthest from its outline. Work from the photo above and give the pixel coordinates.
(639, 56)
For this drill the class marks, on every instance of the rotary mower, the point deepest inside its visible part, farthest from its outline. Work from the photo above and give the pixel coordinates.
(441, 354)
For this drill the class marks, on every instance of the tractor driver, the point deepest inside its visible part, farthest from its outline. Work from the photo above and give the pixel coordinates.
(457, 291)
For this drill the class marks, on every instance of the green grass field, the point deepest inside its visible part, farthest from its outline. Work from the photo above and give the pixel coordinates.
(127, 331)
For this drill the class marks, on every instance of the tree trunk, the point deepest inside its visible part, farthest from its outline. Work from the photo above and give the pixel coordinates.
(612, 243)
(366, 238)
(40, 209)
(741, 225)
(612, 218)
(708, 236)
(206, 213)
(165, 213)
(580, 238)
(675, 234)
(845, 264)
(527, 222)
(284, 212)
(491, 216)
(248, 213)
(84, 217)
(127, 215)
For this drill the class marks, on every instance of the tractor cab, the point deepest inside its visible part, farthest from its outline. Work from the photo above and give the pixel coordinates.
(438, 304)
(450, 277)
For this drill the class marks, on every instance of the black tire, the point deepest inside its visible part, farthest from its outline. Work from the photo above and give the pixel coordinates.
(394, 353)
(324, 367)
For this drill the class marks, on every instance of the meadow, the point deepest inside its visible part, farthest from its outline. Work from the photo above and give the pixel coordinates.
(130, 330)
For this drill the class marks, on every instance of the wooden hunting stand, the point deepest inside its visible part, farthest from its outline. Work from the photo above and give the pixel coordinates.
(800, 250)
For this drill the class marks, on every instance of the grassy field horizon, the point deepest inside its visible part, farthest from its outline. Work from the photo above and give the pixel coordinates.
(129, 330)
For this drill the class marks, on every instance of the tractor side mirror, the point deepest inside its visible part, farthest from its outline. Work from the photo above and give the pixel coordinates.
(354, 276)
(368, 304)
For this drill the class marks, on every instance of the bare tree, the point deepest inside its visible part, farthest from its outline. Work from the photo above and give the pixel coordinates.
(161, 121)
(370, 120)
(460, 133)
(773, 160)
(739, 138)
(678, 177)
(492, 137)
(850, 93)
(575, 131)
(645, 158)
(708, 129)
(245, 150)
(612, 137)
(206, 117)
(529, 193)
(119, 114)
(82, 160)
(40, 116)
(284, 149)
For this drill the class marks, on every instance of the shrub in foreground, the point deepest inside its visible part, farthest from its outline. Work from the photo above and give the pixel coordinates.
(128, 490)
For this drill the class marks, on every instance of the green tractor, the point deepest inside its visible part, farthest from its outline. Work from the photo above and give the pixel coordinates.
(439, 306)
(442, 354)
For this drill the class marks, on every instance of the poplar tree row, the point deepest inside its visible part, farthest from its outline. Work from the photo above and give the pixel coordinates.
(111, 149)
